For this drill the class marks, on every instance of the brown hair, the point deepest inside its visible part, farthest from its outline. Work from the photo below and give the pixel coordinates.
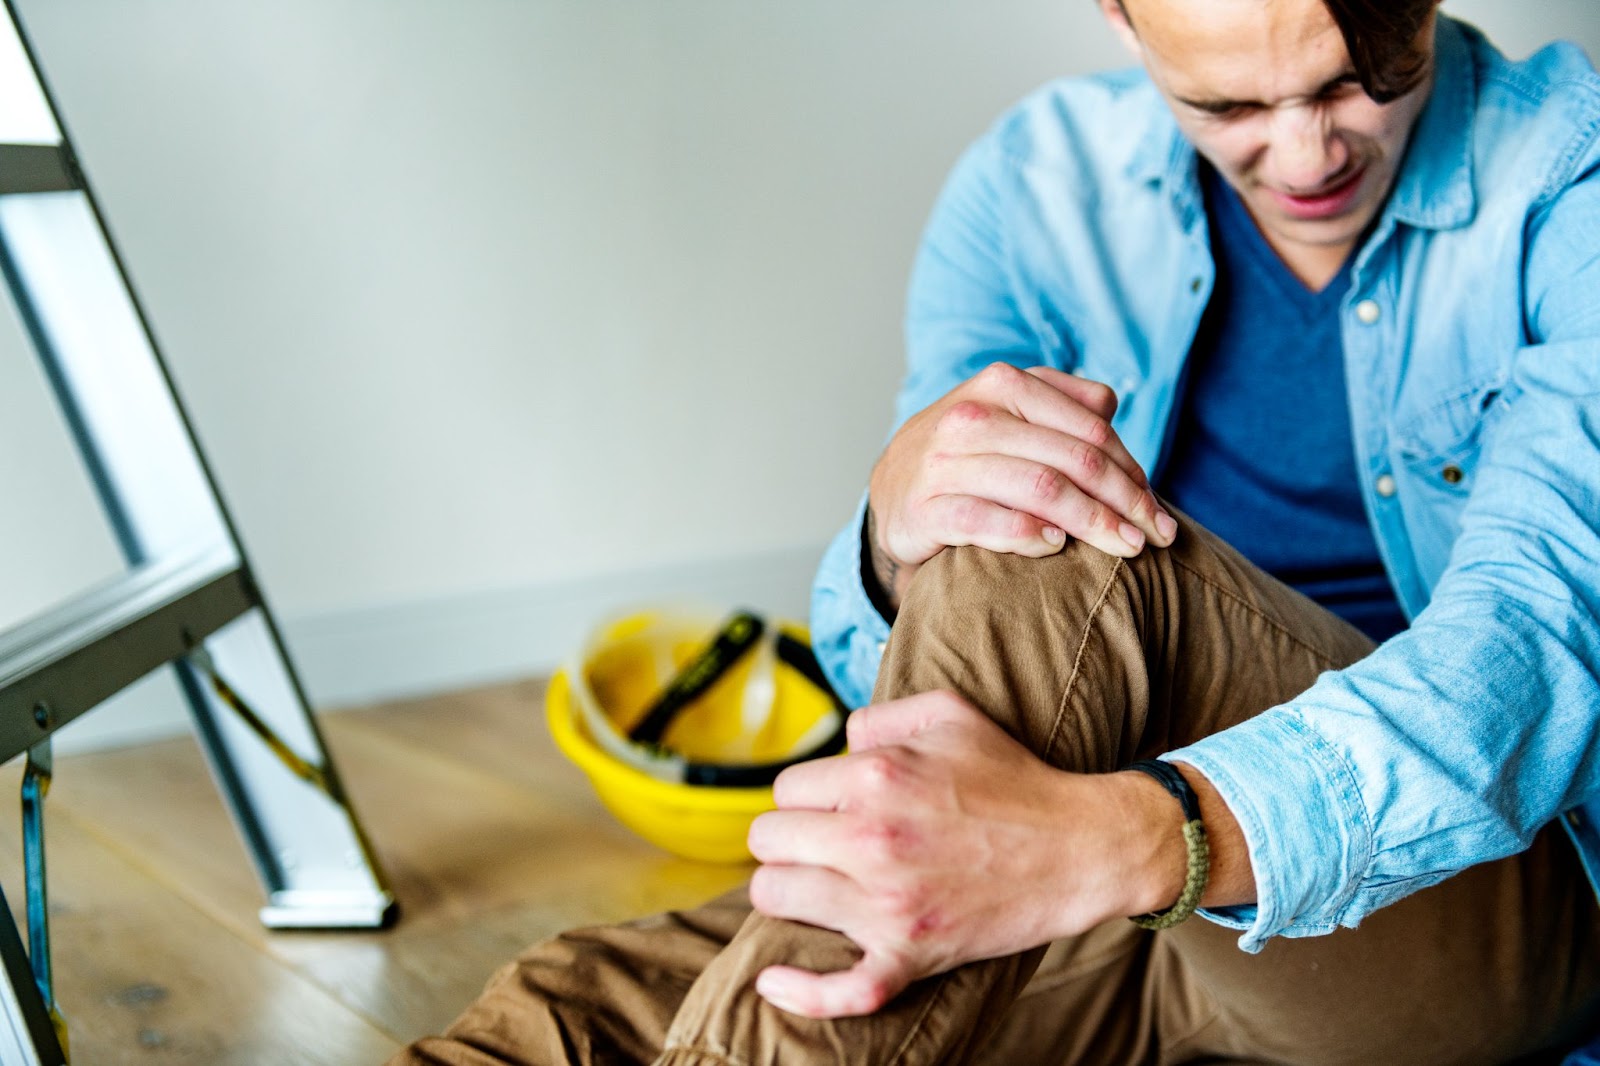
(1382, 38)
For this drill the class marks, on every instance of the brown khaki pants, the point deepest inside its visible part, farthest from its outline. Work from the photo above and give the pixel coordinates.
(1091, 662)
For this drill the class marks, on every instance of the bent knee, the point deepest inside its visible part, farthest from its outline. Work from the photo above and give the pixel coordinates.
(964, 578)
(1000, 629)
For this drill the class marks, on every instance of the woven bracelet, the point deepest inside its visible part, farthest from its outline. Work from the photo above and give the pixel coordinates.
(1195, 844)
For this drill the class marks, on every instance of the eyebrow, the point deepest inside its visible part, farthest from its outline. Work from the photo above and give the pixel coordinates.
(1220, 106)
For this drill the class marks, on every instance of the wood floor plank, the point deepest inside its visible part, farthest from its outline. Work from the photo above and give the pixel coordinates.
(499, 728)
(491, 841)
(145, 978)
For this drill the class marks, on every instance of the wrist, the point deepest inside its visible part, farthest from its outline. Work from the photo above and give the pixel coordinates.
(1155, 856)
(885, 577)
(1123, 853)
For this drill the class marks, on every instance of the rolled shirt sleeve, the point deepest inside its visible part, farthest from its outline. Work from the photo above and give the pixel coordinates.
(847, 632)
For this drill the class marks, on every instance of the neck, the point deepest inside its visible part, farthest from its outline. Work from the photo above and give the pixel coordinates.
(1315, 265)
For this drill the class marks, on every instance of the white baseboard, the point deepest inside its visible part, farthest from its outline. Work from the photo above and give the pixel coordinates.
(373, 654)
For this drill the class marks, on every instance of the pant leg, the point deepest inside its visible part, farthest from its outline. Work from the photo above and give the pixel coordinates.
(602, 996)
(1092, 662)
(1496, 966)
(1085, 659)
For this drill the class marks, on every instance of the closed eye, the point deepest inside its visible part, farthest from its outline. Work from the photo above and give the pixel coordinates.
(1220, 108)
(1339, 87)
(1224, 108)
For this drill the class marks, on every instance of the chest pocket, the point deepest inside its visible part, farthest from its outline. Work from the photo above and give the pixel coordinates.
(1438, 451)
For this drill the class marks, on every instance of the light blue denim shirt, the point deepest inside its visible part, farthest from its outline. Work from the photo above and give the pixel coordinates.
(1073, 234)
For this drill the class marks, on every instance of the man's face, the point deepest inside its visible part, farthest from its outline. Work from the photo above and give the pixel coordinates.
(1266, 91)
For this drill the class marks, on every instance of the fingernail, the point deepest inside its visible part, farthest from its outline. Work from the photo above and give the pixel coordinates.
(1132, 534)
(1055, 536)
(1166, 525)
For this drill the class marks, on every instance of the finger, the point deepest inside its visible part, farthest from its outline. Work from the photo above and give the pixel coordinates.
(814, 785)
(862, 989)
(895, 721)
(954, 520)
(842, 784)
(1096, 396)
(1063, 483)
(1096, 461)
(803, 838)
(1043, 403)
(1082, 445)
(969, 520)
(810, 894)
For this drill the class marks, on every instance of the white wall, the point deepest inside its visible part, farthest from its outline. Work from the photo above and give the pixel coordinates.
(494, 313)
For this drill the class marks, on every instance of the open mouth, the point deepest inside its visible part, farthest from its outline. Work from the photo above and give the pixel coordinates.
(1333, 200)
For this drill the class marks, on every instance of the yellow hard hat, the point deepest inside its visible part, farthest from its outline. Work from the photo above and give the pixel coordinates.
(681, 723)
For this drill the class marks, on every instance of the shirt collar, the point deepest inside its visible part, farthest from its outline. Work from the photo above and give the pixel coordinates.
(1434, 188)
(1165, 158)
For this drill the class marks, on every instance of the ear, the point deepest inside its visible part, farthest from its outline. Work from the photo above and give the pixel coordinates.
(1117, 17)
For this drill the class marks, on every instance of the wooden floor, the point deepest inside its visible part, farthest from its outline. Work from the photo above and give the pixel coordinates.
(490, 840)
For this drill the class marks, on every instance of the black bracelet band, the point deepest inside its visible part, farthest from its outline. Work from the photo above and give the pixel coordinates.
(1174, 782)
(1196, 846)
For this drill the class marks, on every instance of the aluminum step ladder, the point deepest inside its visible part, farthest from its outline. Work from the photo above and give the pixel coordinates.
(188, 599)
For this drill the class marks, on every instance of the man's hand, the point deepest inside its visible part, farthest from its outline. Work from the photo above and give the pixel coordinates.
(1013, 461)
(940, 840)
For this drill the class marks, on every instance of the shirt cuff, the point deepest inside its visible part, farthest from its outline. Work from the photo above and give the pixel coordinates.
(1306, 828)
(847, 632)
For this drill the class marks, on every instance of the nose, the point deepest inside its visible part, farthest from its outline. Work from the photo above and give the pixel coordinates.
(1306, 150)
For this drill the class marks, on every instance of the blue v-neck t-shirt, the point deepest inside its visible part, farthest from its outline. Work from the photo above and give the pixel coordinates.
(1262, 452)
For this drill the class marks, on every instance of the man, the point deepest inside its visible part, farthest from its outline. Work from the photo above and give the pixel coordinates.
(1327, 271)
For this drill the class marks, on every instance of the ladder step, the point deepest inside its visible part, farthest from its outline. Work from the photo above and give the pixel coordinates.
(62, 663)
(31, 168)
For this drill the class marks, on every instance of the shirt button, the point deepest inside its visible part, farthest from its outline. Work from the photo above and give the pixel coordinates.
(883, 646)
(1368, 312)
(1452, 474)
(1384, 485)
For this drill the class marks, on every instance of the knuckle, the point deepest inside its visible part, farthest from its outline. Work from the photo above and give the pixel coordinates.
(1097, 515)
(873, 994)
(902, 905)
(1089, 460)
(924, 926)
(1101, 397)
(963, 416)
(1097, 432)
(1047, 484)
(882, 841)
(998, 375)
(967, 517)
(879, 772)
(1018, 526)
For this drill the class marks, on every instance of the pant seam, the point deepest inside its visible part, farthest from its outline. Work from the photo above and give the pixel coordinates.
(1077, 660)
(1331, 661)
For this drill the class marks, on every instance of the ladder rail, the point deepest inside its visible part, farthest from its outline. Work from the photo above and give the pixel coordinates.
(188, 599)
